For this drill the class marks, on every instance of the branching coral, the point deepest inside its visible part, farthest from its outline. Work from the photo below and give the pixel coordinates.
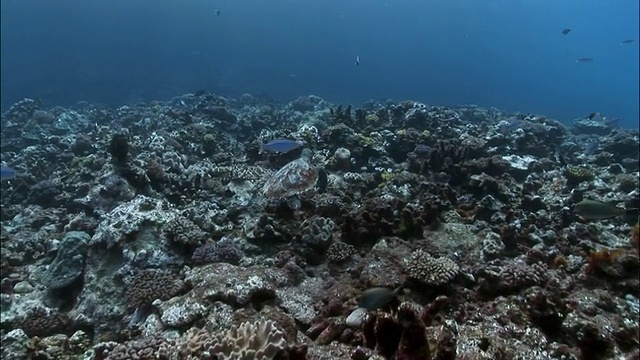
(183, 231)
(429, 270)
(448, 157)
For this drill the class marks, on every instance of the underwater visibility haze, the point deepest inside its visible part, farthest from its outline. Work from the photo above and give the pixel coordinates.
(512, 55)
(319, 180)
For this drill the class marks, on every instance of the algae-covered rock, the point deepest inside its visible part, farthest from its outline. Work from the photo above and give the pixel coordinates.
(69, 262)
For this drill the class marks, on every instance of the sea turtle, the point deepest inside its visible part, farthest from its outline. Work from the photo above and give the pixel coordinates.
(293, 179)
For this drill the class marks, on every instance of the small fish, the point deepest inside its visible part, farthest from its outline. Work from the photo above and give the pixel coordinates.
(217, 12)
(280, 145)
(626, 42)
(566, 31)
(377, 297)
(7, 173)
(608, 121)
(591, 147)
(584, 60)
(597, 116)
(357, 60)
(599, 210)
(513, 123)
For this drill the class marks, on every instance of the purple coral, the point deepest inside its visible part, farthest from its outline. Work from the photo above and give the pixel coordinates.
(222, 251)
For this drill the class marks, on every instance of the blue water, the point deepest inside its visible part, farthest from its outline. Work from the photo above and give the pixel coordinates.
(510, 54)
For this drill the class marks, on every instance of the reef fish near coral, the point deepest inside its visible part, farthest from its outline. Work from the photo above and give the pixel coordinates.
(7, 173)
(143, 224)
(598, 210)
(377, 297)
(280, 145)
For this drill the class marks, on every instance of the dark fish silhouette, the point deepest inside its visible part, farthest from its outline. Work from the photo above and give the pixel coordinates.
(626, 42)
(217, 12)
(584, 60)
(597, 116)
(566, 31)
(600, 210)
(377, 297)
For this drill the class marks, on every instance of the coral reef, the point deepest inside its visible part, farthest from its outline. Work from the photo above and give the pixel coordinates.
(160, 231)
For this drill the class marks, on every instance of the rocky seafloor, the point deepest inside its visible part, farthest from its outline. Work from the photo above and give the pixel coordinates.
(159, 231)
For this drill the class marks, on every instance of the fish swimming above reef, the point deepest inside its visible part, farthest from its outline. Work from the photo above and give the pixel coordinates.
(591, 147)
(377, 297)
(508, 126)
(584, 60)
(280, 145)
(566, 31)
(627, 42)
(600, 210)
(7, 173)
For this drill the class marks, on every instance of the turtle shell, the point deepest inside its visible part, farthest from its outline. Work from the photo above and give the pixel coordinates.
(292, 179)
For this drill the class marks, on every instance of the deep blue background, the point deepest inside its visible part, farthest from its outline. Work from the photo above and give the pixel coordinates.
(504, 53)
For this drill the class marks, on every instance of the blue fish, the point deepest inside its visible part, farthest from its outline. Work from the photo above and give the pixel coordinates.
(7, 173)
(280, 145)
(510, 125)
